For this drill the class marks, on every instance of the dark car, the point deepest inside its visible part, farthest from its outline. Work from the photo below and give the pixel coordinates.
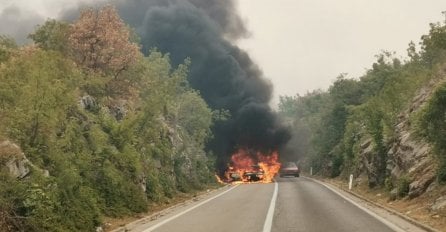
(256, 173)
(289, 169)
(234, 176)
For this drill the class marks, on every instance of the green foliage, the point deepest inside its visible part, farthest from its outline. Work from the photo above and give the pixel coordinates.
(402, 187)
(53, 35)
(286, 106)
(432, 124)
(7, 46)
(332, 129)
(433, 45)
(37, 102)
(141, 140)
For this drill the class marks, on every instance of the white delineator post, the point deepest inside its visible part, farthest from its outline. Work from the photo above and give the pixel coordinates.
(311, 171)
(350, 182)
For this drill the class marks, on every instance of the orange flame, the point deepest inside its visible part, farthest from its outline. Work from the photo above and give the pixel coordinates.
(219, 180)
(247, 167)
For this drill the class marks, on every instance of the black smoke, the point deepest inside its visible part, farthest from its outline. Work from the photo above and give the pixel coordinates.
(224, 74)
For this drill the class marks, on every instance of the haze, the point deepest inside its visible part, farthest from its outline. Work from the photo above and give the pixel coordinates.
(300, 45)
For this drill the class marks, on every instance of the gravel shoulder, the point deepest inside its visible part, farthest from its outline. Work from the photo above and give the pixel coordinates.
(415, 211)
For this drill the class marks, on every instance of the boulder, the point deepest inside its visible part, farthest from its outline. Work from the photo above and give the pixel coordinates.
(393, 194)
(439, 204)
(419, 186)
(88, 102)
(18, 168)
(13, 158)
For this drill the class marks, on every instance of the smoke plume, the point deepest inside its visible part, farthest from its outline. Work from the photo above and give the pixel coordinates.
(225, 75)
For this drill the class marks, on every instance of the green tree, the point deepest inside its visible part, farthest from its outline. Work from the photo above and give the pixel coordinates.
(52, 35)
(7, 46)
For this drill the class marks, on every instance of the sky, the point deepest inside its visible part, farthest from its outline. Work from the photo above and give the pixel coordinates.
(301, 45)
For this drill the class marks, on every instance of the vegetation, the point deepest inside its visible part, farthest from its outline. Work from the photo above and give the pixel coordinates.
(115, 130)
(349, 127)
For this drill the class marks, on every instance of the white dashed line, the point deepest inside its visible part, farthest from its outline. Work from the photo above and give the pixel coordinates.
(269, 216)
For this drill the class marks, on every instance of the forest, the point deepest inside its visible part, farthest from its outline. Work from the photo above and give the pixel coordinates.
(353, 126)
(101, 129)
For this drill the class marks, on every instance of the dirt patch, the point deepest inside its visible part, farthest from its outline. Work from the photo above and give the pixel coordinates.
(418, 208)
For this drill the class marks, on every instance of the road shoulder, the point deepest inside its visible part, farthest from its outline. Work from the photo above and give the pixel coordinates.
(133, 225)
(385, 213)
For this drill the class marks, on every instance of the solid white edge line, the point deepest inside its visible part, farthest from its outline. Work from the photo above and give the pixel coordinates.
(269, 216)
(379, 218)
(185, 211)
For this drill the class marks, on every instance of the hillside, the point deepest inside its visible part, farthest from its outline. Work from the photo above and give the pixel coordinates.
(92, 128)
(387, 127)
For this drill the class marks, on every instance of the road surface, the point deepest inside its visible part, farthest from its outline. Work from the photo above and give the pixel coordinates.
(289, 204)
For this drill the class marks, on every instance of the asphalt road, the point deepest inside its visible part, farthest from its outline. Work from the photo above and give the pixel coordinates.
(290, 204)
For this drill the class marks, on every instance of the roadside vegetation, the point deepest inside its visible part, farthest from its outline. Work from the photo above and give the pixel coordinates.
(105, 129)
(354, 123)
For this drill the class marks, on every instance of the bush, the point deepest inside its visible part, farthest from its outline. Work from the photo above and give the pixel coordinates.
(403, 186)
(431, 125)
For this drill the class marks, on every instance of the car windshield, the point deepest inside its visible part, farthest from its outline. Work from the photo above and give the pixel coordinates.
(290, 165)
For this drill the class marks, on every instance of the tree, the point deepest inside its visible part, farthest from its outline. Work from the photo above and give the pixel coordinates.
(100, 42)
(433, 45)
(53, 35)
(37, 90)
(7, 45)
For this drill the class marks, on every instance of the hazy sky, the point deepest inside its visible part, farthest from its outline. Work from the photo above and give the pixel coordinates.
(301, 45)
(304, 45)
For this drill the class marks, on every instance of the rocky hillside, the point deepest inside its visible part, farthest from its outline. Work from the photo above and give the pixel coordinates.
(386, 127)
(411, 163)
(91, 128)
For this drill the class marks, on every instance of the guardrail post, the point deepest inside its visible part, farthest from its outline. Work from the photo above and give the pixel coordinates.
(350, 182)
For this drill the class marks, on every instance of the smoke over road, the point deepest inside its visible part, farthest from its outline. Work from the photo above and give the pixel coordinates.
(225, 75)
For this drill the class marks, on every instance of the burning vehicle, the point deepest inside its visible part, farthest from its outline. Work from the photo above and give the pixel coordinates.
(256, 173)
(249, 166)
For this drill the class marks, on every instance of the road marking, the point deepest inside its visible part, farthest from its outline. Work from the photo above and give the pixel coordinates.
(379, 218)
(269, 216)
(185, 211)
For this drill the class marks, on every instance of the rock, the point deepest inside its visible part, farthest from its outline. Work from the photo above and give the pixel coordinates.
(393, 194)
(366, 144)
(119, 112)
(99, 229)
(13, 158)
(9, 150)
(407, 155)
(439, 204)
(46, 173)
(143, 183)
(419, 186)
(88, 103)
(432, 187)
(18, 168)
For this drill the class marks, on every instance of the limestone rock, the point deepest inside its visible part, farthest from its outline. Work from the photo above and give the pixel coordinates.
(88, 102)
(419, 186)
(13, 158)
(439, 204)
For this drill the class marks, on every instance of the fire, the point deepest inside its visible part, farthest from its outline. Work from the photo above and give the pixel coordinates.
(247, 166)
